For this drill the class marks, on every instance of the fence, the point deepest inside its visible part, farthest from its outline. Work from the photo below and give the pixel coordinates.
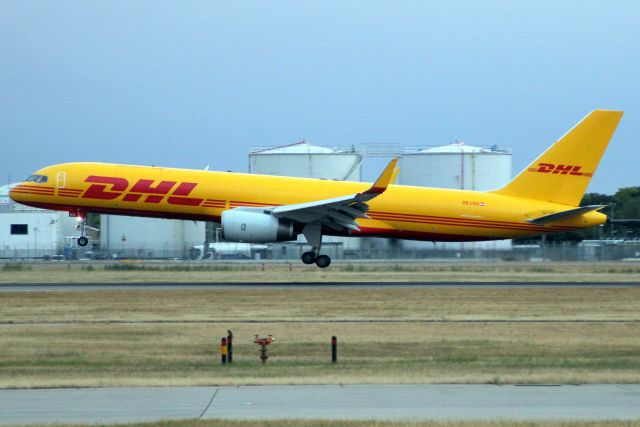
(588, 250)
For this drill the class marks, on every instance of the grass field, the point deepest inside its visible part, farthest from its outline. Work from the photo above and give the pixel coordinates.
(397, 335)
(131, 271)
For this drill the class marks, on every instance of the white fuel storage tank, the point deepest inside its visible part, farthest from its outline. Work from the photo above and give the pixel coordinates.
(307, 161)
(456, 166)
(310, 161)
(459, 166)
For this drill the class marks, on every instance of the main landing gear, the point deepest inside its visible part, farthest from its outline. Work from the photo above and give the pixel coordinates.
(82, 219)
(321, 261)
(313, 234)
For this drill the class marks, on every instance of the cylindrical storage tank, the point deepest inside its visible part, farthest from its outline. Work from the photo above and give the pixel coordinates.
(458, 166)
(307, 161)
(310, 161)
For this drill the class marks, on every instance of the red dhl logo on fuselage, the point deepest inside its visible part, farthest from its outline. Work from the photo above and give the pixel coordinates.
(560, 169)
(149, 190)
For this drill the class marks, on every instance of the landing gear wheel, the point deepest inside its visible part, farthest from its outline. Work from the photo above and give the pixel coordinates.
(82, 221)
(308, 257)
(323, 261)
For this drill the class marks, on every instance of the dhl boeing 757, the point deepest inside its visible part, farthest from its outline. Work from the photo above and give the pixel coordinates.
(544, 198)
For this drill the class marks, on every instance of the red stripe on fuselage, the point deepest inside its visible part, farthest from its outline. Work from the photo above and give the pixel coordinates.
(236, 203)
(40, 187)
(461, 224)
(409, 235)
(124, 211)
(458, 221)
(36, 192)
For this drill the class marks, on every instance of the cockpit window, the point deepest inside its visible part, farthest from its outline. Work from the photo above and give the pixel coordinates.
(38, 179)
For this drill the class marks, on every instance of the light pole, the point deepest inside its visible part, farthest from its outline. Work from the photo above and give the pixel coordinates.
(123, 239)
(613, 211)
(35, 239)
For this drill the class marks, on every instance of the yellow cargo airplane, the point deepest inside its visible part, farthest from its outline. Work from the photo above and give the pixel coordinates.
(544, 198)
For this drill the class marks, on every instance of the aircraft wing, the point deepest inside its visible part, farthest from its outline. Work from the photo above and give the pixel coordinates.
(337, 213)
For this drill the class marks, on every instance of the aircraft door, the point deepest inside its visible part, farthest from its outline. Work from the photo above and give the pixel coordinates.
(61, 179)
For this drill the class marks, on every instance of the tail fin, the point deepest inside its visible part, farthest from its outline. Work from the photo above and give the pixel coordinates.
(563, 172)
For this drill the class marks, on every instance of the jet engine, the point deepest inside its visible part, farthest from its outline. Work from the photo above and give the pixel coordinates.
(255, 226)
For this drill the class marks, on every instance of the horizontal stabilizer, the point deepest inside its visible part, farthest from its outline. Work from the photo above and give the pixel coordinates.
(547, 219)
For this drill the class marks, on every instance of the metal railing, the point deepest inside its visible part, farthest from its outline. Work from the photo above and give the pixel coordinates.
(380, 150)
(594, 250)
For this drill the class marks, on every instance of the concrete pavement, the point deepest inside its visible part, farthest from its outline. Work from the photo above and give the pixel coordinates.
(382, 402)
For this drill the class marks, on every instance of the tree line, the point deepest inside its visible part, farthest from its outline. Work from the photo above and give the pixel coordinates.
(623, 205)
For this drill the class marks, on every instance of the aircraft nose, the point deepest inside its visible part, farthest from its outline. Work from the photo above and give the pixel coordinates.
(14, 195)
(35, 186)
(18, 194)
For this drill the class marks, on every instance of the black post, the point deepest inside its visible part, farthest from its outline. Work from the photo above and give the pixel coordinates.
(334, 349)
(264, 353)
(223, 351)
(230, 345)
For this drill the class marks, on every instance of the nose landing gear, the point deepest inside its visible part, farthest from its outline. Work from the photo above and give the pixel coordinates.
(82, 219)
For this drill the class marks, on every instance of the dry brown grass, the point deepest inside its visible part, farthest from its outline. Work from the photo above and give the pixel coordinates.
(324, 304)
(156, 354)
(404, 345)
(339, 271)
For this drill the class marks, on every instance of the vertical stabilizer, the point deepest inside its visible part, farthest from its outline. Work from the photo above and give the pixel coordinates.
(563, 172)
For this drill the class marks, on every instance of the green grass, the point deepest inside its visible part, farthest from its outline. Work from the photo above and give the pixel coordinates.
(15, 266)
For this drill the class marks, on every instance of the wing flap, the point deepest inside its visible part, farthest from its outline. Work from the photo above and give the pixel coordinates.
(355, 212)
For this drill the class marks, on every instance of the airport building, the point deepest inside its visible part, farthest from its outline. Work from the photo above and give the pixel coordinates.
(32, 233)
(27, 233)
(137, 237)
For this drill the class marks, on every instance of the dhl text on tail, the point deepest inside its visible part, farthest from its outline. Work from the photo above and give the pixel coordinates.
(544, 198)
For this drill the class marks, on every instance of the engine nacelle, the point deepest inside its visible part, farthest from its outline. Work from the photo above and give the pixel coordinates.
(255, 226)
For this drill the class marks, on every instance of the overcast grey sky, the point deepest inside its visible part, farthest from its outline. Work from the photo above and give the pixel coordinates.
(187, 84)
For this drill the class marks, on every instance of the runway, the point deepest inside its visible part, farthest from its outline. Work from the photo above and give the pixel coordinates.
(66, 287)
(380, 402)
